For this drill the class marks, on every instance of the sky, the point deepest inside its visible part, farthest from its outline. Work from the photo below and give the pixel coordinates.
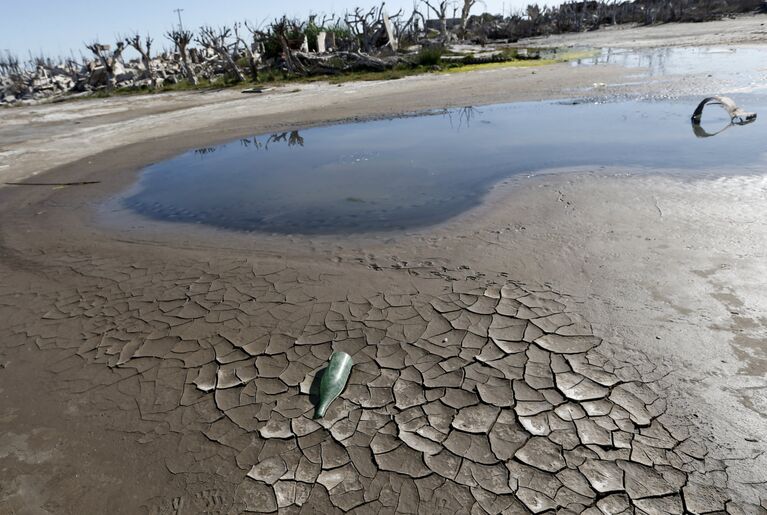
(56, 27)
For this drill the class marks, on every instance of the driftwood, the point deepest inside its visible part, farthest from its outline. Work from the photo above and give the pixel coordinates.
(339, 62)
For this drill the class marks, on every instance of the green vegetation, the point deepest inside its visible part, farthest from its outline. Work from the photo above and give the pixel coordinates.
(526, 63)
(430, 56)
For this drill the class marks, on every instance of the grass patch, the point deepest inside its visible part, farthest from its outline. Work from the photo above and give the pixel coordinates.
(552, 57)
(574, 55)
(429, 56)
(522, 63)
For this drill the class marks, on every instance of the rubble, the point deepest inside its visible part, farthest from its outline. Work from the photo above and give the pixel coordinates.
(43, 83)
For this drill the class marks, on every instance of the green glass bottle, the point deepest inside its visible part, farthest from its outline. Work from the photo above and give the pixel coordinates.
(333, 381)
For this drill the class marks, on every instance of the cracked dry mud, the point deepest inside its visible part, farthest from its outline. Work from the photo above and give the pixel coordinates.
(469, 394)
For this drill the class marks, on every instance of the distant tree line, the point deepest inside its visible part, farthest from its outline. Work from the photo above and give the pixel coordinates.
(362, 39)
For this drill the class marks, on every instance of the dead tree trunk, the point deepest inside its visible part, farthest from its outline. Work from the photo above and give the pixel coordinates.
(465, 10)
(281, 28)
(441, 12)
(253, 56)
(409, 27)
(217, 41)
(135, 42)
(182, 38)
(108, 59)
(365, 26)
(369, 27)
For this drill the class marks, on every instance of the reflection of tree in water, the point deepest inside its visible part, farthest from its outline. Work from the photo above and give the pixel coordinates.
(251, 142)
(656, 60)
(462, 117)
(292, 138)
(204, 150)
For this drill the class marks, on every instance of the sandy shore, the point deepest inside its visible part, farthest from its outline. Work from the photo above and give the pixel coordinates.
(155, 369)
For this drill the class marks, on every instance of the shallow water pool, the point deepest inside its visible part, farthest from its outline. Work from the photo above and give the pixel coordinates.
(419, 170)
(744, 64)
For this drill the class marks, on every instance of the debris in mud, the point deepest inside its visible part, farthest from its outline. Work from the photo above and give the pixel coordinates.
(737, 115)
(333, 381)
(256, 90)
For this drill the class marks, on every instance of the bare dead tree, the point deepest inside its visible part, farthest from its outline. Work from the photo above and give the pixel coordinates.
(329, 20)
(182, 38)
(218, 41)
(249, 48)
(407, 28)
(282, 28)
(440, 11)
(144, 49)
(368, 27)
(108, 58)
(9, 64)
(416, 23)
(295, 139)
(465, 10)
(359, 24)
(292, 138)
(534, 13)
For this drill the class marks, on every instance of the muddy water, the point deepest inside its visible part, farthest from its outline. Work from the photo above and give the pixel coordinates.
(414, 171)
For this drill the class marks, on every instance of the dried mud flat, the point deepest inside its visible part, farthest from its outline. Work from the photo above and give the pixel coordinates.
(590, 342)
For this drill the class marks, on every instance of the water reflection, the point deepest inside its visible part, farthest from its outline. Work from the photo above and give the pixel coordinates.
(461, 118)
(701, 132)
(458, 118)
(748, 62)
(407, 172)
(291, 138)
(735, 116)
